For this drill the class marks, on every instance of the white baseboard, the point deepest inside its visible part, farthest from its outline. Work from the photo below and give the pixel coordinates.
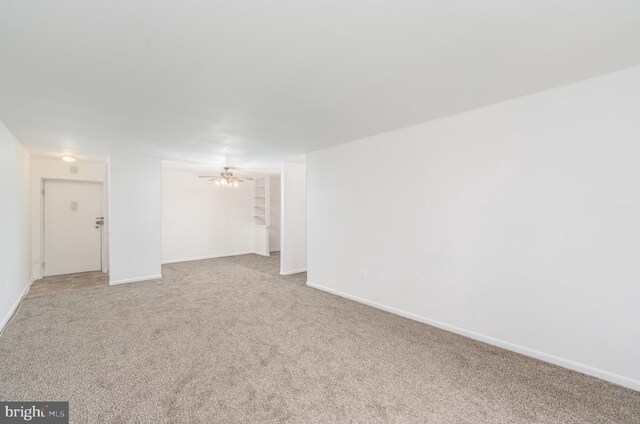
(134, 280)
(6, 319)
(261, 254)
(201, 258)
(297, 271)
(565, 363)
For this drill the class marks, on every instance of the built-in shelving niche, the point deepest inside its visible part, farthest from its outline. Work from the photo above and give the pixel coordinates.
(261, 215)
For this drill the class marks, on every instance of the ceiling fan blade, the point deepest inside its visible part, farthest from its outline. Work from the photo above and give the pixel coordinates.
(208, 176)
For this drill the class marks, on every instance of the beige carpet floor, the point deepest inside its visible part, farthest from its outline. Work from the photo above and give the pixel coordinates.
(231, 341)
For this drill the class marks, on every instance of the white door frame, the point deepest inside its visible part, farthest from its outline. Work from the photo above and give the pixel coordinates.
(102, 210)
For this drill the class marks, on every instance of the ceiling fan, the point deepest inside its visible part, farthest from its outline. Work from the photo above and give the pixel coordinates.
(226, 178)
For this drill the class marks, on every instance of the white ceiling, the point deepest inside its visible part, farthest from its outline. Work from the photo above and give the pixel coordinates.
(203, 169)
(252, 82)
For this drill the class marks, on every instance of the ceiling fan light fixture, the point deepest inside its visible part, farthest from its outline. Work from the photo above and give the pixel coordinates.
(226, 179)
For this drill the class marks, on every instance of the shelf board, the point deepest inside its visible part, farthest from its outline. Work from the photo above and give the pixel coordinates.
(259, 216)
(260, 196)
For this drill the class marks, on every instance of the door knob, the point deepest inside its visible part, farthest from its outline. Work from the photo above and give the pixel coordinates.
(100, 221)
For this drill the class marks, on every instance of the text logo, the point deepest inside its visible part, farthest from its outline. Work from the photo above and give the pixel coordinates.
(34, 412)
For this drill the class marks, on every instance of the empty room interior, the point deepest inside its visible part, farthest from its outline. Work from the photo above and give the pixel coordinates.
(320, 211)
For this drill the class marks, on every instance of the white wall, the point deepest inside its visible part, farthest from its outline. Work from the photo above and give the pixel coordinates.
(135, 240)
(55, 168)
(15, 247)
(293, 239)
(274, 226)
(201, 220)
(517, 224)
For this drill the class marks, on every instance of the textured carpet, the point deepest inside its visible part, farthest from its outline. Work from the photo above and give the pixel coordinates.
(229, 340)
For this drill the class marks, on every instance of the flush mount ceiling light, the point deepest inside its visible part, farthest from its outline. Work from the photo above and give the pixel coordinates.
(69, 158)
(226, 178)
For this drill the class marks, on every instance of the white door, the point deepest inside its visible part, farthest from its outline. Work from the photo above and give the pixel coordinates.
(72, 236)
